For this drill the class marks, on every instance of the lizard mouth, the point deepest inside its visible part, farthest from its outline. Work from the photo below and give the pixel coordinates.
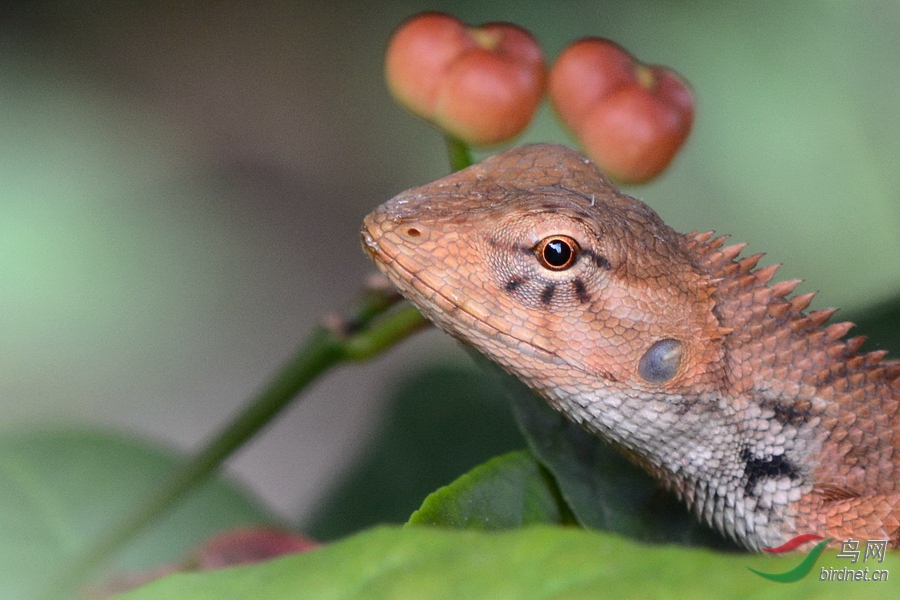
(369, 244)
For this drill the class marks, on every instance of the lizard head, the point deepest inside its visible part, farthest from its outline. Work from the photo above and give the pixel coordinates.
(533, 257)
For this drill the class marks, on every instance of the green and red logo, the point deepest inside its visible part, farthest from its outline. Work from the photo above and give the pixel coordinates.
(805, 566)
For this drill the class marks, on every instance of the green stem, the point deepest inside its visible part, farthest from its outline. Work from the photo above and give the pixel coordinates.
(392, 329)
(459, 153)
(324, 349)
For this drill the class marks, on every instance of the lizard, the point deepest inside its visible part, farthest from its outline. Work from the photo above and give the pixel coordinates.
(761, 416)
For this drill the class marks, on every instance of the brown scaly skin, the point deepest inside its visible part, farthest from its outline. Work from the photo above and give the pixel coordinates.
(757, 414)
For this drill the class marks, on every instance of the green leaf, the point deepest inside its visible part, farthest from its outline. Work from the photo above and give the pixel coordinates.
(440, 423)
(505, 492)
(540, 562)
(600, 486)
(61, 490)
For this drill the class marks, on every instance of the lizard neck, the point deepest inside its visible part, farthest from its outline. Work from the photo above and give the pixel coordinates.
(817, 417)
(722, 455)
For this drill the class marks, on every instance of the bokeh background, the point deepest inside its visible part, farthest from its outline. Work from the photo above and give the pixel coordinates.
(181, 187)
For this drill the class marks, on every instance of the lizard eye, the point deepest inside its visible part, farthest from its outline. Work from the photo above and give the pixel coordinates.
(557, 252)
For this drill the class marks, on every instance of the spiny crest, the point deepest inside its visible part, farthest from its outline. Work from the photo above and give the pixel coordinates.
(787, 314)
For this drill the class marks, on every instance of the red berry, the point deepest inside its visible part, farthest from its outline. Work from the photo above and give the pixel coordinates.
(629, 117)
(481, 85)
(243, 545)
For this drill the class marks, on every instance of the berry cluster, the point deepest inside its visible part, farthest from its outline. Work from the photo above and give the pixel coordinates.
(482, 85)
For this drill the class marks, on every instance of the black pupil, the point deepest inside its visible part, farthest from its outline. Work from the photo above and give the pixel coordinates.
(557, 253)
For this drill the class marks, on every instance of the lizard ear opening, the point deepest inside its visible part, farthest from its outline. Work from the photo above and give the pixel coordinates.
(661, 361)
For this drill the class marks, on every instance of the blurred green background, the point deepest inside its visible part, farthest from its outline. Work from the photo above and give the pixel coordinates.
(182, 186)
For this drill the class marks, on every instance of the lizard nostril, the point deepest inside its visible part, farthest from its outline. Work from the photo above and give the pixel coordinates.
(413, 233)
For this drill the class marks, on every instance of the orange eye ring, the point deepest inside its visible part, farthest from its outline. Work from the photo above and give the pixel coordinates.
(557, 252)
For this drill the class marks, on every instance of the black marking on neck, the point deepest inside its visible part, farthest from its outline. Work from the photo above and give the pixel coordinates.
(514, 283)
(598, 259)
(756, 468)
(580, 291)
(547, 294)
(788, 414)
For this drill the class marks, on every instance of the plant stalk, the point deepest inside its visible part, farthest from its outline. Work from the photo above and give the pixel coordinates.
(324, 350)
